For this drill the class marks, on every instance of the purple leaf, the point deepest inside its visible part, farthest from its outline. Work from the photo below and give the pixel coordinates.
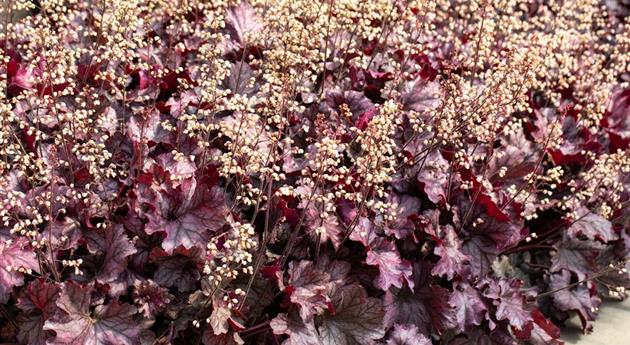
(76, 324)
(576, 256)
(364, 232)
(187, 214)
(503, 234)
(516, 155)
(239, 81)
(31, 330)
(452, 259)
(582, 299)
(182, 269)
(509, 300)
(420, 95)
(337, 270)
(178, 106)
(241, 21)
(38, 303)
(427, 308)
(15, 257)
(402, 226)
(219, 319)
(113, 244)
(147, 128)
(308, 288)
(357, 319)
(592, 226)
(299, 332)
(406, 307)
(482, 251)
(358, 104)
(470, 309)
(434, 177)
(150, 297)
(21, 78)
(63, 234)
(323, 230)
(40, 297)
(393, 271)
(121, 284)
(480, 337)
(179, 168)
(407, 335)
(619, 108)
(210, 338)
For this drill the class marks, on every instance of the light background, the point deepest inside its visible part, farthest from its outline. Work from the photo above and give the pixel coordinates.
(612, 326)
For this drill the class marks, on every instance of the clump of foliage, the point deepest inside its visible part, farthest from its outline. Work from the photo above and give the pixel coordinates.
(311, 172)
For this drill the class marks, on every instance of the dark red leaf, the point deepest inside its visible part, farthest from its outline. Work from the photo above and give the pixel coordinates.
(39, 305)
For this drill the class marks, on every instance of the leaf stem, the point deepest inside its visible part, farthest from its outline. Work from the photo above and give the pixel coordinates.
(597, 275)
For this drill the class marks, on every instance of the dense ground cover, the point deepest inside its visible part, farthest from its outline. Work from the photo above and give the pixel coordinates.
(311, 172)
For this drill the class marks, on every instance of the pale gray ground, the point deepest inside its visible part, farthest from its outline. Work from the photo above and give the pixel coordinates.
(611, 328)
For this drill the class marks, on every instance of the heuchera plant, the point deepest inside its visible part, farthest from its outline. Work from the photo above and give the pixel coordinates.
(311, 172)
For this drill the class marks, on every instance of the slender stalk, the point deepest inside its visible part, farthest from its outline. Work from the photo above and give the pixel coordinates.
(597, 275)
